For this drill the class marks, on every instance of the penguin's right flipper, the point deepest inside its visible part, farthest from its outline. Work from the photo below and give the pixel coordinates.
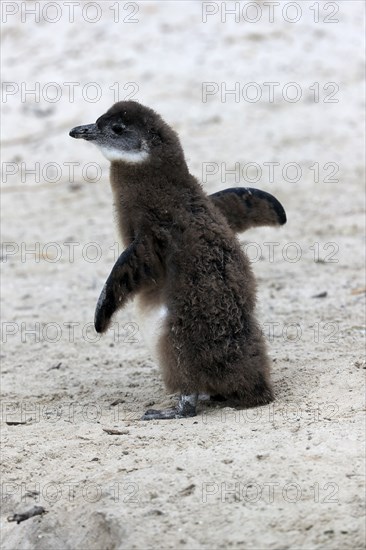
(132, 270)
(245, 207)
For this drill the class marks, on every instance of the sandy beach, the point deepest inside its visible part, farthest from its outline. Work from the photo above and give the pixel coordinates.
(269, 97)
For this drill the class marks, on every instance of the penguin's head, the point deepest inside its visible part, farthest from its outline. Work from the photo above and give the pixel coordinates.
(129, 133)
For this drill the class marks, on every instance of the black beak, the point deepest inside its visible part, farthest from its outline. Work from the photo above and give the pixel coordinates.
(88, 132)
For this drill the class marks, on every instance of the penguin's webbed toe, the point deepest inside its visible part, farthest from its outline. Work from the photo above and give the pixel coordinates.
(163, 414)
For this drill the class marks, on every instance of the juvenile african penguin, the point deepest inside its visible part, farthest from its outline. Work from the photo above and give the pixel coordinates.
(194, 286)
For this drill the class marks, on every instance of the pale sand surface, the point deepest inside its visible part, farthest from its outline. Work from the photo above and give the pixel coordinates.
(286, 476)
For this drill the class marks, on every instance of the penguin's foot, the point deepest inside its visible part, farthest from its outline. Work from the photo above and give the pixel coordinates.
(185, 408)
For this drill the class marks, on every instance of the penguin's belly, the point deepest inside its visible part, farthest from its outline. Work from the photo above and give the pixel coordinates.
(151, 319)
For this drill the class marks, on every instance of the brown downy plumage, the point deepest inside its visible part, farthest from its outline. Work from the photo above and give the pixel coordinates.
(183, 262)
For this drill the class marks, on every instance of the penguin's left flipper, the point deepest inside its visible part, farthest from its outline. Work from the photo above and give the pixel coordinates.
(245, 207)
(186, 408)
(132, 270)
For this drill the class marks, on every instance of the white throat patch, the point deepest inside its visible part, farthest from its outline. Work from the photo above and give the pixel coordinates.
(132, 157)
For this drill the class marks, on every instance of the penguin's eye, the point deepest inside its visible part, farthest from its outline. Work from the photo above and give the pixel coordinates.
(118, 129)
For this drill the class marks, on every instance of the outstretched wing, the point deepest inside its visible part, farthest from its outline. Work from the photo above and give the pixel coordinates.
(135, 268)
(246, 207)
